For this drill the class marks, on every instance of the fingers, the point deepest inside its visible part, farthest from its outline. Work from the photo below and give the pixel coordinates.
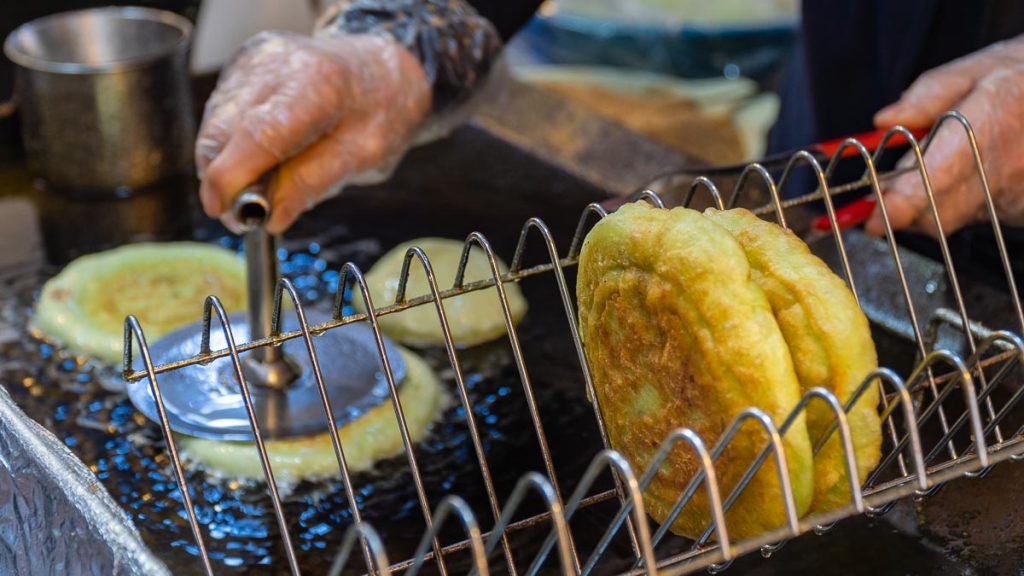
(222, 115)
(282, 103)
(951, 172)
(928, 97)
(902, 207)
(239, 88)
(950, 175)
(321, 170)
(988, 89)
(240, 163)
(367, 141)
(274, 101)
(940, 89)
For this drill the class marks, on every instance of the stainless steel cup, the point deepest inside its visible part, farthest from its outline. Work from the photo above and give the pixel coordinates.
(104, 97)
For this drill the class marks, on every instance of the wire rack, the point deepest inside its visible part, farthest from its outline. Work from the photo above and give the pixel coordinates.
(970, 438)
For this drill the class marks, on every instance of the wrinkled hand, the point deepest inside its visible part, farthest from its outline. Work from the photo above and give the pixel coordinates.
(987, 87)
(329, 110)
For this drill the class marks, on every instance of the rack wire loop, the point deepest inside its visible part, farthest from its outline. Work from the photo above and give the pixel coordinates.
(370, 540)
(993, 215)
(449, 344)
(581, 228)
(213, 305)
(804, 157)
(706, 473)
(133, 333)
(285, 286)
(940, 235)
(775, 446)
(985, 394)
(705, 183)
(619, 466)
(652, 198)
(845, 436)
(517, 356)
(769, 183)
(457, 506)
(573, 321)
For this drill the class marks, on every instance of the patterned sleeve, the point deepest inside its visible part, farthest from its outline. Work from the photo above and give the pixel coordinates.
(455, 44)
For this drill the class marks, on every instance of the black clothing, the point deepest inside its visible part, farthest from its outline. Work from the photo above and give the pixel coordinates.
(508, 16)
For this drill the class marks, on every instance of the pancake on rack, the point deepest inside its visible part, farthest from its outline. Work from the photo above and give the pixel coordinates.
(163, 284)
(473, 318)
(677, 333)
(829, 339)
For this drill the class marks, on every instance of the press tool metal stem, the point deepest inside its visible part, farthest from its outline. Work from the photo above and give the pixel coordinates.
(267, 366)
(206, 400)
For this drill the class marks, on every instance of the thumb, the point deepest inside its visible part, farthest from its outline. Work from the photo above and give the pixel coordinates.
(928, 97)
(942, 88)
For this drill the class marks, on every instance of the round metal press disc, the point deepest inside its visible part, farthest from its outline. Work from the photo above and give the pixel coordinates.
(206, 401)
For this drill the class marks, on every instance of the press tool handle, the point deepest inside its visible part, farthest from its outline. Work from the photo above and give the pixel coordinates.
(251, 210)
(252, 207)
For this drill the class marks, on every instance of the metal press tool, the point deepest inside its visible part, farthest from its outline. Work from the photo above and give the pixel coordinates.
(286, 390)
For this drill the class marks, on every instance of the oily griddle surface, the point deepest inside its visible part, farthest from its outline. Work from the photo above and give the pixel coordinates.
(126, 453)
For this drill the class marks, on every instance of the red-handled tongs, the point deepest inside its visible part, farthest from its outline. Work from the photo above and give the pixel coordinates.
(822, 152)
(849, 215)
(853, 213)
(858, 211)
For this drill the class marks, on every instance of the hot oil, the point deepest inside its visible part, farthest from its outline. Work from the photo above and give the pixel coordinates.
(127, 452)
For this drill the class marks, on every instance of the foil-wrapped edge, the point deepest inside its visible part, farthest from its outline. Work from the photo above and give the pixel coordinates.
(37, 473)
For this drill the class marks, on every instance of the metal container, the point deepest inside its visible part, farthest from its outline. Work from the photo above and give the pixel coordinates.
(104, 97)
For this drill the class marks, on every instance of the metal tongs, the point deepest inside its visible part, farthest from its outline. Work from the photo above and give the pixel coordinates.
(285, 385)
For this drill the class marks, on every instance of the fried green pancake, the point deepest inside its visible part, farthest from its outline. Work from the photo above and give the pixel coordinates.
(829, 339)
(677, 333)
(163, 284)
(473, 318)
(367, 439)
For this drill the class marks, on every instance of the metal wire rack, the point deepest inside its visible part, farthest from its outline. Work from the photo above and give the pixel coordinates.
(971, 439)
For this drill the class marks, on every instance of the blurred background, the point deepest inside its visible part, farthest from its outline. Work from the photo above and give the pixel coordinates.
(697, 75)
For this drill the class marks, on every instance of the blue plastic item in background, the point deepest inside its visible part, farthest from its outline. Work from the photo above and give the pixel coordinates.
(755, 50)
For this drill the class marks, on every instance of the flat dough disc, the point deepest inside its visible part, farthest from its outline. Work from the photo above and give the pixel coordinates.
(163, 284)
(473, 318)
(366, 440)
(677, 333)
(830, 341)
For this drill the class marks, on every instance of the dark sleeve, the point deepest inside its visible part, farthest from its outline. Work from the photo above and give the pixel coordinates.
(857, 56)
(508, 16)
(456, 41)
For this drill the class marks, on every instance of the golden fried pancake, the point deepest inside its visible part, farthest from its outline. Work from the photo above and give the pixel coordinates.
(473, 318)
(677, 333)
(164, 285)
(828, 337)
(371, 437)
